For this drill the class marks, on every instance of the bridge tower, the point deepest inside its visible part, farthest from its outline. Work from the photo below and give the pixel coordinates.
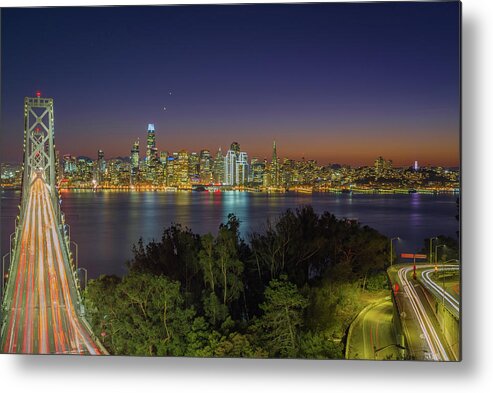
(39, 144)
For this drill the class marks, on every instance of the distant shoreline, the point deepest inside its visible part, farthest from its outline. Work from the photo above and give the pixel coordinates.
(342, 191)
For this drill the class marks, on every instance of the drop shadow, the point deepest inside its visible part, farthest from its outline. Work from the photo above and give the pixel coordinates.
(324, 370)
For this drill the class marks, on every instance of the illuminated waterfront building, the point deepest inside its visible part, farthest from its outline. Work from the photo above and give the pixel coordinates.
(274, 168)
(229, 168)
(100, 167)
(236, 167)
(205, 167)
(151, 151)
(170, 171)
(134, 161)
(257, 172)
(193, 167)
(10, 175)
(119, 172)
(266, 177)
(286, 173)
(151, 158)
(84, 169)
(382, 167)
(242, 170)
(218, 167)
(69, 165)
(181, 170)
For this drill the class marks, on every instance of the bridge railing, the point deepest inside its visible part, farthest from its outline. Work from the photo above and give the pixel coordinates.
(64, 230)
(6, 288)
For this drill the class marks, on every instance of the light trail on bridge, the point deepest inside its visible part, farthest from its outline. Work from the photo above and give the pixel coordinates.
(452, 302)
(436, 348)
(42, 312)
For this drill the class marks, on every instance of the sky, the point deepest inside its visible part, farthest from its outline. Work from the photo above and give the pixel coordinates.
(339, 83)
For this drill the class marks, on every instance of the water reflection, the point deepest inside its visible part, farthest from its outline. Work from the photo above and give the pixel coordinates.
(106, 224)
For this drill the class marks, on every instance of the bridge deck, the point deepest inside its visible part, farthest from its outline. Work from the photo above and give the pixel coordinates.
(41, 299)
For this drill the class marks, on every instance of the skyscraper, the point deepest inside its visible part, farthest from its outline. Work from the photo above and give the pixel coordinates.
(181, 169)
(257, 170)
(151, 143)
(99, 167)
(274, 167)
(382, 166)
(242, 170)
(134, 161)
(69, 165)
(170, 171)
(229, 168)
(205, 167)
(151, 159)
(218, 168)
(236, 168)
(193, 166)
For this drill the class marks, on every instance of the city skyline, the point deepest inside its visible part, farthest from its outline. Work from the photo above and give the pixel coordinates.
(224, 148)
(254, 181)
(299, 81)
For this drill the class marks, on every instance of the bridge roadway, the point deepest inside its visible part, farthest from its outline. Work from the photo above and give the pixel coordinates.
(450, 301)
(41, 310)
(424, 335)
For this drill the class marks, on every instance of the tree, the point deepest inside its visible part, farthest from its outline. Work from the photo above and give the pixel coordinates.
(145, 315)
(283, 317)
(222, 271)
(317, 345)
(101, 306)
(175, 256)
(289, 246)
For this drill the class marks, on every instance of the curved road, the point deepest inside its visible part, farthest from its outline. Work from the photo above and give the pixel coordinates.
(424, 335)
(372, 334)
(451, 302)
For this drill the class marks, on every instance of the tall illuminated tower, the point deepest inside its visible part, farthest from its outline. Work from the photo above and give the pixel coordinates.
(151, 159)
(218, 171)
(134, 161)
(229, 168)
(274, 176)
(236, 168)
(205, 166)
(39, 145)
(151, 143)
(100, 167)
(242, 169)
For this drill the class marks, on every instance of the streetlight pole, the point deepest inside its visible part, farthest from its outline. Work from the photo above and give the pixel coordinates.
(12, 235)
(391, 249)
(76, 254)
(85, 276)
(431, 247)
(3, 271)
(443, 282)
(437, 246)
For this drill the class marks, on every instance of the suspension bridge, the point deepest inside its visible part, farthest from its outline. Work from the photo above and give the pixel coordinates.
(42, 310)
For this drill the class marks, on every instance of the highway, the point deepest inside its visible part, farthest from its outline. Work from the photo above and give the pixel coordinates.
(425, 340)
(372, 335)
(42, 311)
(451, 302)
